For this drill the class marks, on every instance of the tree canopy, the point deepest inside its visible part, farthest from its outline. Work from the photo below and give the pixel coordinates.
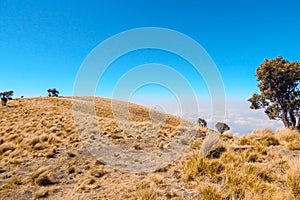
(279, 92)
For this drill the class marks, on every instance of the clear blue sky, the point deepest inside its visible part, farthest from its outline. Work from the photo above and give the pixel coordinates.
(44, 42)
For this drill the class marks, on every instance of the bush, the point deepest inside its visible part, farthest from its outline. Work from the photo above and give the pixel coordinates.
(53, 92)
(5, 96)
(202, 122)
(222, 127)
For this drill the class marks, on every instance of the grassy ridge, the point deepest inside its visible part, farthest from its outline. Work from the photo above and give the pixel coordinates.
(42, 156)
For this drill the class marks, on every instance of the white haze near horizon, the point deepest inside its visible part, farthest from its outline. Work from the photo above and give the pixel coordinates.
(241, 119)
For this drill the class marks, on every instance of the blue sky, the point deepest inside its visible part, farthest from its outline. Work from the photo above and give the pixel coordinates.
(43, 43)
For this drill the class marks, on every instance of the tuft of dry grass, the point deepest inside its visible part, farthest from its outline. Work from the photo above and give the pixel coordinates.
(293, 179)
(191, 168)
(146, 191)
(287, 135)
(294, 145)
(210, 192)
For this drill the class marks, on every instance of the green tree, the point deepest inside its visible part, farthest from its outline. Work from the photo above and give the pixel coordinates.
(279, 92)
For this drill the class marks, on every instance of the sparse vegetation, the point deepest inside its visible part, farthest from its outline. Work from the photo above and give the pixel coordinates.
(45, 155)
(293, 179)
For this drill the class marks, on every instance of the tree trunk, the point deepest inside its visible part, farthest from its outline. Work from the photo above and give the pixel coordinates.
(298, 124)
(293, 119)
(285, 119)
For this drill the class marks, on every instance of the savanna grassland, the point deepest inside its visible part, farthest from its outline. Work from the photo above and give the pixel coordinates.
(43, 156)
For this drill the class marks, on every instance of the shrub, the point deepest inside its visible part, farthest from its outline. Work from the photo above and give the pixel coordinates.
(295, 145)
(222, 127)
(209, 193)
(146, 191)
(5, 96)
(202, 122)
(245, 140)
(53, 92)
(191, 168)
(293, 179)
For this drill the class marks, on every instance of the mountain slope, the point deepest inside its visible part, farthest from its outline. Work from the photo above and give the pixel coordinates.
(96, 148)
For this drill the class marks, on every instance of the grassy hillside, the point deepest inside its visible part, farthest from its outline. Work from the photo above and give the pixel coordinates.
(42, 155)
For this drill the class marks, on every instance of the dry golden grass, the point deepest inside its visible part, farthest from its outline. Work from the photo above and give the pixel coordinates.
(43, 156)
(293, 178)
(252, 167)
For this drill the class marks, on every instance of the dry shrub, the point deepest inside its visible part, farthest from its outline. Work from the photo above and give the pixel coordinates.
(294, 145)
(270, 140)
(157, 179)
(227, 136)
(288, 135)
(146, 191)
(211, 168)
(293, 178)
(202, 167)
(191, 168)
(248, 179)
(210, 192)
(264, 137)
(231, 157)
